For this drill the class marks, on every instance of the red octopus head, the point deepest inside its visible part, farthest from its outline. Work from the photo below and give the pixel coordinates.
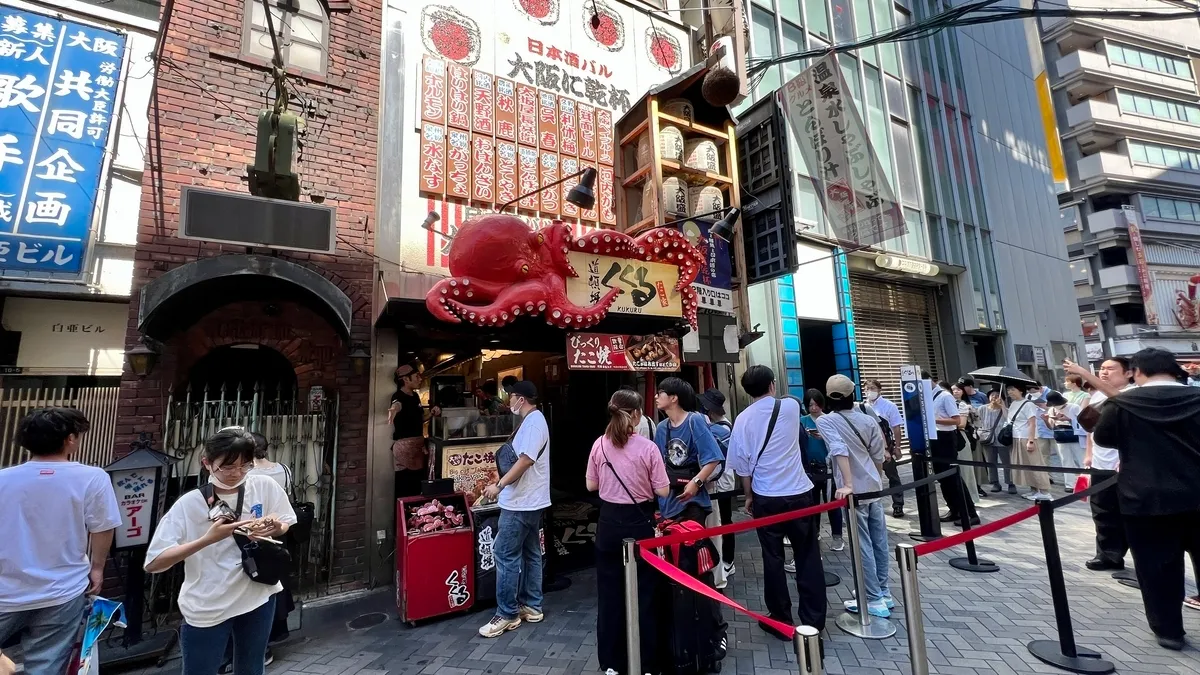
(502, 248)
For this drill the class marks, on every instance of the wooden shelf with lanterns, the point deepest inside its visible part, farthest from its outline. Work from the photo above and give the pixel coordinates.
(697, 176)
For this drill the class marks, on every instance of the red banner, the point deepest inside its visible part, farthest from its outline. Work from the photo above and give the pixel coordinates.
(604, 136)
(433, 158)
(506, 109)
(568, 166)
(567, 126)
(458, 164)
(483, 103)
(549, 175)
(527, 124)
(483, 173)
(458, 95)
(1139, 257)
(587, 132)
(599, 351)
(506, 172)
(433, 90)
(548, 121)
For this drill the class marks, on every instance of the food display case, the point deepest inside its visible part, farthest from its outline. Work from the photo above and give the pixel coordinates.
(435, 548)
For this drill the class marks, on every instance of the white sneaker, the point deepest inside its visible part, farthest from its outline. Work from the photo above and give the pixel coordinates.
(530, 614)
(730, 569)
(790, 566)
(1031, 496)
(889, 601)
(838, 544)
(498, 626)
(877, 608)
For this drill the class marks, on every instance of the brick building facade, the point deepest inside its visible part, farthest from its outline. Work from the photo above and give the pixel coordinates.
(212, 81)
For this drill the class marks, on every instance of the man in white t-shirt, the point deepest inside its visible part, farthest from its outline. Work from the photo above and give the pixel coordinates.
(523, 492)
(944, 448)
(56, 536)
(1111, 545)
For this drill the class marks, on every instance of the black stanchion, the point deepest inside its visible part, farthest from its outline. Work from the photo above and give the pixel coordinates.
(971, 563)
(926, 497)
(1063, 653)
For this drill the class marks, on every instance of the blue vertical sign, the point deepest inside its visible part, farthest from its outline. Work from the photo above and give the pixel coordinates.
(58, 98)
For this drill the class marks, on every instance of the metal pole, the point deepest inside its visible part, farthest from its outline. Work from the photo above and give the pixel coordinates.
(633, 641)
(864, 625)
(807, 642)
(1063, 653)
(971, 563)
(910, 588)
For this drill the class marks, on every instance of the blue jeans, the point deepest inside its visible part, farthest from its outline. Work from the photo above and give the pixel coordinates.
(50, 643)
(518, 551)
(204, 648)
(873, 537)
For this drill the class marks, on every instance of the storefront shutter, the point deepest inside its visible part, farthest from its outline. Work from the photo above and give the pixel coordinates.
(894, 325)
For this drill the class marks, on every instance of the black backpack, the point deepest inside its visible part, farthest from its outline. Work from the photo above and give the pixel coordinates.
(889, 439)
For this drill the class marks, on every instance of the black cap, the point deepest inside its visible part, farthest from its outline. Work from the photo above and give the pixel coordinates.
(965, 382)
(713, 401)
(524, 389)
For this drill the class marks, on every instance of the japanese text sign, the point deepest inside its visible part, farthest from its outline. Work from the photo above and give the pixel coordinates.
(649, 288)
(473, 467)
(135, 498)
(821, 113)
(596, 351)
(58, 97)
(714, 282)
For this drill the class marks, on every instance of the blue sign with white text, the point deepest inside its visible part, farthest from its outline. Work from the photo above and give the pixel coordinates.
(58, 90)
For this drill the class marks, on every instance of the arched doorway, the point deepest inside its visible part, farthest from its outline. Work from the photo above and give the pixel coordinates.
(240, 371)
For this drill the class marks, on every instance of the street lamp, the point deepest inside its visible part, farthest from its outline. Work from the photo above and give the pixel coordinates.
(142, 359)
(581, 195)
(359, 358)
(722, 229)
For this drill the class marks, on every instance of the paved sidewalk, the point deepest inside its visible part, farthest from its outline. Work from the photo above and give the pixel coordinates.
(976, 624)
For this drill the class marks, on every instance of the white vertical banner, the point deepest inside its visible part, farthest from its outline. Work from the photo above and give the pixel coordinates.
(859, 202)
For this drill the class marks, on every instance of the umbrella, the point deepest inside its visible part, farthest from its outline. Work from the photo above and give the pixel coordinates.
(1004, 375)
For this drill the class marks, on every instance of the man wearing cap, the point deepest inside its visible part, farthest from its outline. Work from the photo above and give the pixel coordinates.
(523, 492)
(724, 489)
(407, 418)
(972, 395)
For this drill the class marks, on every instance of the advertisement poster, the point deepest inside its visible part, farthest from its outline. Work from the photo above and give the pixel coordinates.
(534, 79)
(59, 93)
(642, 353)
(713, 284)
(822, 116)
(649, 287)
(473, 467)
(1133, 220)
(135, 498)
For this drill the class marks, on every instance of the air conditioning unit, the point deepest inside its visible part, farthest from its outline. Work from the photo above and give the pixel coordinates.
(234, 218)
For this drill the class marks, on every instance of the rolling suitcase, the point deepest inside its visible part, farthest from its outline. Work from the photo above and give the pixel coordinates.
(693, 636)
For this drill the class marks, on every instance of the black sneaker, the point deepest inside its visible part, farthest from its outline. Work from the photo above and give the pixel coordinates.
(1175, 644)
(268, 658)
(996, 487)
(773, 632)
(897, 511)
(226, 668)
(1102, 565)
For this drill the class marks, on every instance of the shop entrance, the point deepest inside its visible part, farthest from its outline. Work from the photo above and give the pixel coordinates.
(816, 353)
(244, 368)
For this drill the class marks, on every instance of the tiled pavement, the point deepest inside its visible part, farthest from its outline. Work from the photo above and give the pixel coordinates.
(975, 624)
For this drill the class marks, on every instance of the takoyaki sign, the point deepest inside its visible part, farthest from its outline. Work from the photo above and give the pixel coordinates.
(598, 351)
(514, 94)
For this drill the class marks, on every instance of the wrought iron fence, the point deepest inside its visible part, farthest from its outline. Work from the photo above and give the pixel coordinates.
(98, 403)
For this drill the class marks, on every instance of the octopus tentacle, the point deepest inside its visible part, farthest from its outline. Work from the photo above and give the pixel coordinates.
(459, 289)
(566, 314)
(527, 298)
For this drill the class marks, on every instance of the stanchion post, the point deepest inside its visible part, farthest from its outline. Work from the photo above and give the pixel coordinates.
(925, 497)
(1063, 653)
(863, 625)
(807, 641)
(910, 588)
(971, 563)
(633, 638)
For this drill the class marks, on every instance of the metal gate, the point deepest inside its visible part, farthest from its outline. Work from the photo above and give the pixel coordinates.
(98, 403)
(303, 439)
(894, 325)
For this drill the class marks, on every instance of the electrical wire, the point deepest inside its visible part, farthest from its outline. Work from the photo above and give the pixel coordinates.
(970, 14)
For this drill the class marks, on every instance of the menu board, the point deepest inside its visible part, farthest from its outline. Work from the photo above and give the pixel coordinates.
(472, 466)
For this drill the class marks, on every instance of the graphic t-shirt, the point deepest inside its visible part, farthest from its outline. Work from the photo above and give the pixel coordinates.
(727, 481)
(214, 586)
(689, 444)
(51, 507)
(532, 491)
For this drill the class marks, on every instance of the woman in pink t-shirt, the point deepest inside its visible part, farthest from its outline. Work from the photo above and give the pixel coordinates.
(628, 471)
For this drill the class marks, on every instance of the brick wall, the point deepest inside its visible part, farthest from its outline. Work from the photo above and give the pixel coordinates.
(202, 132)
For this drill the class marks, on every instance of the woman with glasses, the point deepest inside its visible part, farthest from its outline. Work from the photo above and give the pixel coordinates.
(218, 600)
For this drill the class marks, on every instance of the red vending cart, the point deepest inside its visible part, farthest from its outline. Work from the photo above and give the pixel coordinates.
(435, 556)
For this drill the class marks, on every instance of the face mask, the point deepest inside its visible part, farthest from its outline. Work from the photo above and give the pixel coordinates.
(872, 395)
(516, 409)
(230, 486)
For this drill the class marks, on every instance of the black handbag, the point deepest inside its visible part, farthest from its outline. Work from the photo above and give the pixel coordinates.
(1005, 435)
(306, 512)
(263, 561)
(1065, 435)
(679, 475)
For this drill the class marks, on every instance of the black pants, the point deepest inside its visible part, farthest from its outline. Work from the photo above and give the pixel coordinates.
(618, 522)
(1111, 544)
(821, 495)
(944, 450)
(408, 482)
(893, 476)
(725, 505)
(810, 575)
(1158, 544)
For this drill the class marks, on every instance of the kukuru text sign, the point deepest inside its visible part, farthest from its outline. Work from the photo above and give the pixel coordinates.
(58, 98)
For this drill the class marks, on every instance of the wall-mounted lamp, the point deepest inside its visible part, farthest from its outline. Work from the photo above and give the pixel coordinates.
(723, 228)
(582, 195)
(359, 358)
(142, 359)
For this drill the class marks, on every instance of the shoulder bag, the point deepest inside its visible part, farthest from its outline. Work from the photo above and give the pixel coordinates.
(767, 438)
(1005, 435)
(264, 562)
(680, 475)
(306, 512)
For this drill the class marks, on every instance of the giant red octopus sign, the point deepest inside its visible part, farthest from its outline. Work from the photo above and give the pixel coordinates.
(501, 270)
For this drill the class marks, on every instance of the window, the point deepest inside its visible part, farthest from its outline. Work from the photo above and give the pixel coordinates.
(937, 146)
(843, 22)
(989, 261)
(960, 174)
(914, 238)
(793, 42)
(818, 17)
(1147, 60)
(976, 272)
(790, 10)
(937, 245)
(954, 234)
(973, 166)
(302, 29)
(1162, 108)
(849, 66)
(928, 188)
(895, 97)
(1171, 209)
(1068, 217)
(1081, 273)
(809, 209)
(1164, 155)
(877, 123)
(763, 44)
(907, 177)
(889, 53)
(1114, 256)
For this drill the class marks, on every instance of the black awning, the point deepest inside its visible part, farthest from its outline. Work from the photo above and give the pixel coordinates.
(177, 299)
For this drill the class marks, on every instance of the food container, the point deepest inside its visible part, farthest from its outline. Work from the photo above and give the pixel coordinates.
(705, 199)
(701, 154)
(674, 198)
(680, 107)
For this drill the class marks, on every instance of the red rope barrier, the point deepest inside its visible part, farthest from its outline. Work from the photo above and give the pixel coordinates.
(754, 524)
(684, 579)
(973, 533)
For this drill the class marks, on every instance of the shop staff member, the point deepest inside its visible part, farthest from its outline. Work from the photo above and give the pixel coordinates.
(409, 452)
(1154, 429)
(773, 478)
(523, 493)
